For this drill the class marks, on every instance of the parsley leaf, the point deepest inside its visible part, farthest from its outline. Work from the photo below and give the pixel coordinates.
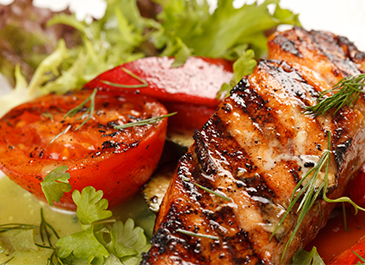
(55, 184)
(90, 205)
(128, 242)
(83, 245)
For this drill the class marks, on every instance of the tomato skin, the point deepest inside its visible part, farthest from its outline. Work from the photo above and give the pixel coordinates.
(348, 257)
(118, 162)
(195, 83)
(356, 188)
(189, 116)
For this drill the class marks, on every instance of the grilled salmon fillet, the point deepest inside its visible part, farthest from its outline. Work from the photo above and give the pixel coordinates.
(234, 184)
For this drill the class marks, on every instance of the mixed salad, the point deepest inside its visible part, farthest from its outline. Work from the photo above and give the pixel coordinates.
(53, 57)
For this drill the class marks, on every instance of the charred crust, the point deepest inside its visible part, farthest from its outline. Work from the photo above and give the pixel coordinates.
(340, 152)
(257, 186)
(161, 239)
(242, 85)
(203, 156)
(296, 86)
(287, 45)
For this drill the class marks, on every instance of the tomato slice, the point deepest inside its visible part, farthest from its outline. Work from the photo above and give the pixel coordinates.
(195, 83)
(116, 161)
(349, 256)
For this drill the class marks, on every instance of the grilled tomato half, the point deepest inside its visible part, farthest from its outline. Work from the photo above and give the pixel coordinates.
(80, 130)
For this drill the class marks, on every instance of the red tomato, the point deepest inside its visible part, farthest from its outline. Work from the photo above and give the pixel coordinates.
(356, 188)
(348, 257)
(333, 239)
(189, 116)
(195, 83)
(118, 162)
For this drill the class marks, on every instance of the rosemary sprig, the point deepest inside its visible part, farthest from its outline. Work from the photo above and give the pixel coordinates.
(90, 110)
(197, 234)
(206, 189)
(143, 122)
(345, 93)
(144, 82)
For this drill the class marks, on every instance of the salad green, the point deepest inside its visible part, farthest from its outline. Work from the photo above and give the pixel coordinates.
(179, 29)
(183, 28)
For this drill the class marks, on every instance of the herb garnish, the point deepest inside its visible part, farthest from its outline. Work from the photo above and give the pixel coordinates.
(7, 261)
(197, 234)
(144, 82)
(361, 258)
(55, 184)
(309, 194)
(206, 189)
(345, 93)
(58, 135)
(90, 110)
(304, 257)
(143, 122)
(89, 113)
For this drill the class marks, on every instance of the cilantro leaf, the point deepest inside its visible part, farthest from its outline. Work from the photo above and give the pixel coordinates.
(83, 245)
(90, 205)
(55, 184)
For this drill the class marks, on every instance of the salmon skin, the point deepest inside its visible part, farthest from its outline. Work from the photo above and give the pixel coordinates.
(232, 187)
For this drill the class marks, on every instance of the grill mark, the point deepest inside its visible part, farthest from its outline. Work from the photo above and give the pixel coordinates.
(256, 186)
(291, 80)
(238, 241)
(203, 156)
(227, 148)
(329, 47)
(287, 45)
(251, 103)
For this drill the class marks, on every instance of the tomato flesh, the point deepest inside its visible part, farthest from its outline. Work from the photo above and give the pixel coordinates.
(118, 162)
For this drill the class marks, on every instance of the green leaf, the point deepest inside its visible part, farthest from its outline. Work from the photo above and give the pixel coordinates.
(216, 34)
(18, 240)
(83, 245)
(113, 260)
(55, 184)
(128, 242)
(90, 205)
(303, 257)
(243, 66)
(47, 70)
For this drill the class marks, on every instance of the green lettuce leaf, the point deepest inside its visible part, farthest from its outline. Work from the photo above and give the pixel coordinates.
(216, 34)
